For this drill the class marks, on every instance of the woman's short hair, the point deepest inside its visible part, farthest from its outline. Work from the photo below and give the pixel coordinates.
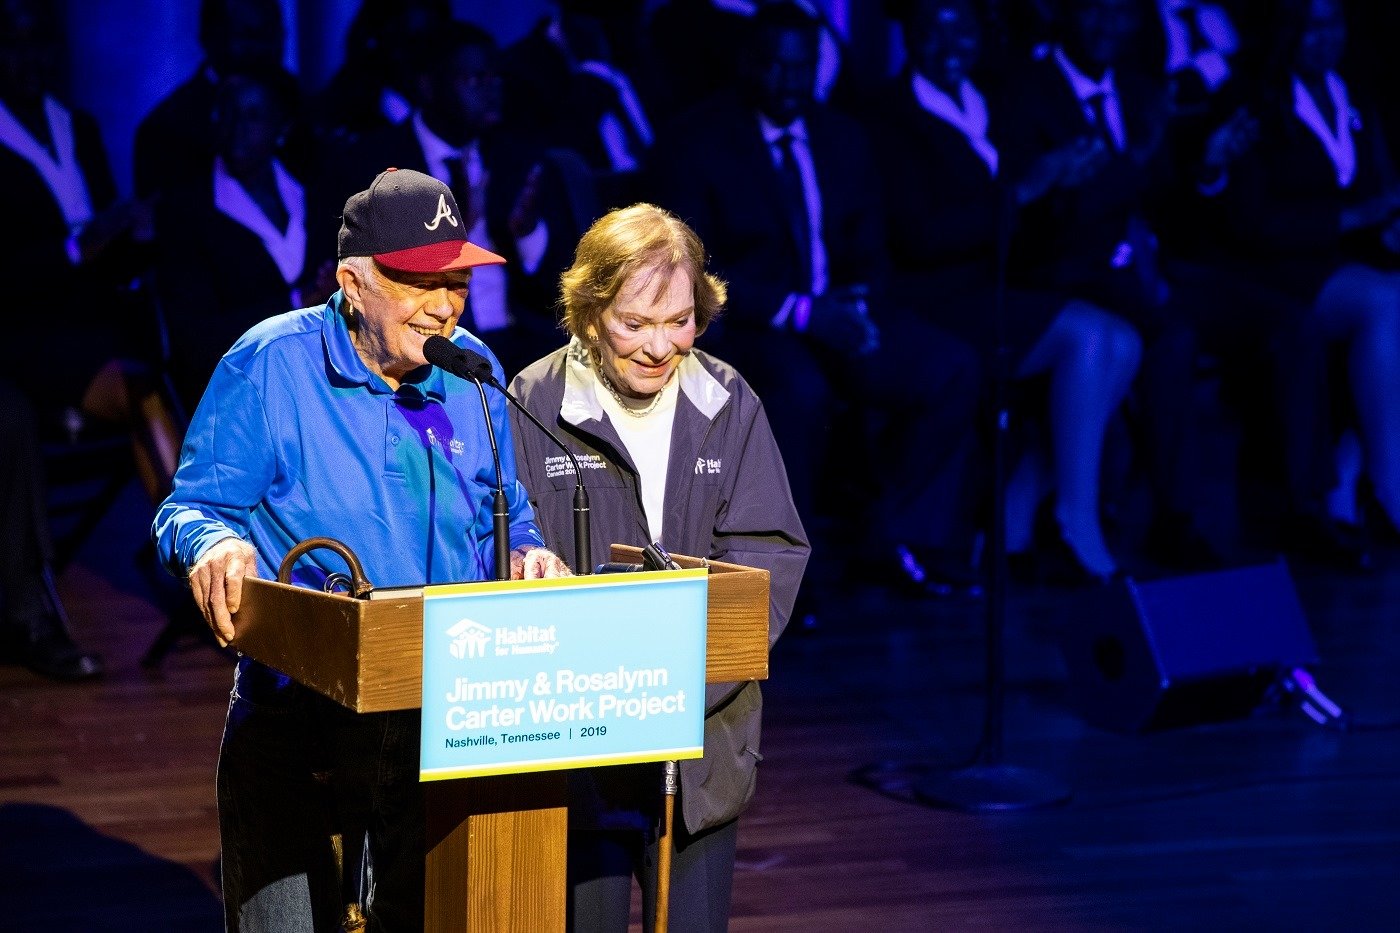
(625, 241)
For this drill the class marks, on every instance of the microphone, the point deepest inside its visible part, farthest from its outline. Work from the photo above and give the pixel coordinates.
(466, 364)
(470, 365)
(435, 353)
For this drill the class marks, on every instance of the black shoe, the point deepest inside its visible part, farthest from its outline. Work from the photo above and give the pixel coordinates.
(42, 641)
(1174, 541)
(926, 573)
(1328, 542)
(1053, 562)
(56, 656)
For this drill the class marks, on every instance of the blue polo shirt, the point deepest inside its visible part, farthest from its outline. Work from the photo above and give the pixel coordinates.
(296, 438)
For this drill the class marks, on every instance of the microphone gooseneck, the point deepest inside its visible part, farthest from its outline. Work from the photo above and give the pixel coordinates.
(472, 366)
(444, 354)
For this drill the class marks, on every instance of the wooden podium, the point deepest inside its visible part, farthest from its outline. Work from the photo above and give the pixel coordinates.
(496, 845)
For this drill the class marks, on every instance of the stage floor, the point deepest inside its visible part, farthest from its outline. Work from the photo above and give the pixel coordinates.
(107, 807)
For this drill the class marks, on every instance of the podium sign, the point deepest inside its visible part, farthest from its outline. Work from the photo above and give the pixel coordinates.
(539, 675)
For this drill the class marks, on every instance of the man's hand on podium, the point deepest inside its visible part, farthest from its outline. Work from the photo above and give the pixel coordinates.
(217, 582)
(536, 562)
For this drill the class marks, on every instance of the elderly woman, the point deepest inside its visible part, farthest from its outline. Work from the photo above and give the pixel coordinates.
(680, 452)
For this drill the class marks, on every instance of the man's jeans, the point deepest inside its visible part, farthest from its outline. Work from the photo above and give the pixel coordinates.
(276, 817)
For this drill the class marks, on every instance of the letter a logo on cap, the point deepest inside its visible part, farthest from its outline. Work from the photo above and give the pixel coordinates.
(442, 211)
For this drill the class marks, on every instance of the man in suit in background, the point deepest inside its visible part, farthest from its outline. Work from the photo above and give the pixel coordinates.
(514, 198)
(784, 193)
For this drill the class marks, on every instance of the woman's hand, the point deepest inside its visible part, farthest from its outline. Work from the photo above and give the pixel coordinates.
(537, 563)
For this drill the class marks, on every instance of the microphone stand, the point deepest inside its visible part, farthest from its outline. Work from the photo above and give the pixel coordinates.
(990, 784)
(582, 547)
(500, 512)
(470, 365)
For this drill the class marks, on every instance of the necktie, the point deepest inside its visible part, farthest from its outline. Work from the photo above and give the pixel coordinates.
(1189, 14)
(1097, 103)
(457, 177)
(459, 181)
(795, 204)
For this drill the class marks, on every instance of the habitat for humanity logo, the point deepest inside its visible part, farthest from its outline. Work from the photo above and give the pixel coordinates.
(469, 639)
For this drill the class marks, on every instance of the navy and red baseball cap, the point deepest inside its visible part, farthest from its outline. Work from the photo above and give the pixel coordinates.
(409, 221)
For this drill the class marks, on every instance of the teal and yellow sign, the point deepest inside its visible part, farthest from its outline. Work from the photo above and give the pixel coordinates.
(537, 675)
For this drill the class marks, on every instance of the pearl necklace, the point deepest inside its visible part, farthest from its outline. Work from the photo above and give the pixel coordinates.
(623, 403)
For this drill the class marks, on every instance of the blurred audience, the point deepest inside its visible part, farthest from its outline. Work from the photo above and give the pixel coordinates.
(563, 80)
(1101, 200)
(1095, 236)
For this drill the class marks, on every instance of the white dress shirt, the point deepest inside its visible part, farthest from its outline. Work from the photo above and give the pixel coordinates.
(968, 115)
(1086, 89)
(1210, 61)
(489, 305)
(792, 307)
(59, 168)
(286, 247)
(615, 139)
(1336, 139)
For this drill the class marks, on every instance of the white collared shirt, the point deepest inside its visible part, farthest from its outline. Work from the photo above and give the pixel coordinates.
(489, 304)
(1086, 88)
(968, 117)
(59, 169)
(648, 440)
(811, 196)
(1210, 62)
(615, 140)
(394, 106)
(1336, 139)
(286, 247)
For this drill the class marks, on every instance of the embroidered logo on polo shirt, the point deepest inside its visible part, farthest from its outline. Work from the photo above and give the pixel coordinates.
(453, 444)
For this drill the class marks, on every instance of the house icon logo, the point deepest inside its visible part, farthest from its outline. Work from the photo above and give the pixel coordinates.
(469, 639)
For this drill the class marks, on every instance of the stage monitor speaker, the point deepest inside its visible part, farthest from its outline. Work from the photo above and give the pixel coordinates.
(1200, 648)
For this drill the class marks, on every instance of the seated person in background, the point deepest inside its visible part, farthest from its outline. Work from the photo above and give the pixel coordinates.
(563, 81)
(631, 392)
(950, 209)
(785, 194)
(67, 258)
(1315, 210)
(1268, 346)
(712, 31)
(248, 213)
(280, 450)
(174, 142)
(373, 88)
(33, 629)
(1094, 236)
(513, 198)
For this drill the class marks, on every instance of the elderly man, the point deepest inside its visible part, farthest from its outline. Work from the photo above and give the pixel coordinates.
(328, 421)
